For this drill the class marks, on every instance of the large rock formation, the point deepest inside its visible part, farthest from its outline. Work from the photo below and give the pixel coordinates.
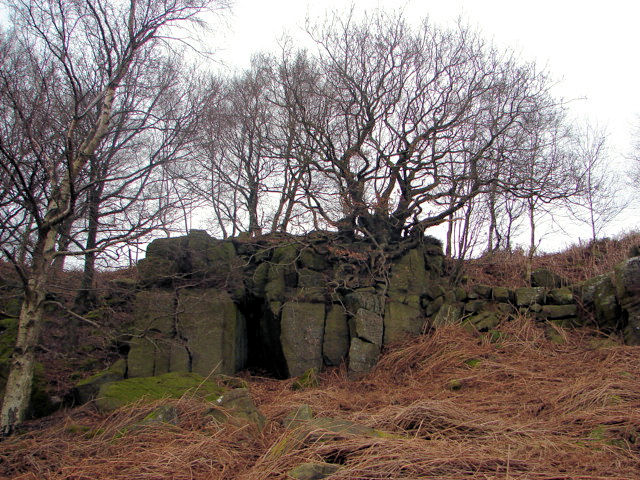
(286, 304)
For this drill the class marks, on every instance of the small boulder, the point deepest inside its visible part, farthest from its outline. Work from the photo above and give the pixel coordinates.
(547, 279)
(87, 389)
(313, 471)
(170, 385)
(560, 296)
(527, 296)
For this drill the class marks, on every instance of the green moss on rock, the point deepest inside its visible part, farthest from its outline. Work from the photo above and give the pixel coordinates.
(87, 389)
(335, 344)
(313, 471)
(170, 385)
(401, 320)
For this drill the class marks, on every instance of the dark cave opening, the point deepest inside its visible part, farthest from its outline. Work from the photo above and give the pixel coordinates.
(264, 351)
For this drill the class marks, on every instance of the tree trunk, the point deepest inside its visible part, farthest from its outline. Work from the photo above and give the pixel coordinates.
(18, 388)
(532, 241)
(64, 240)
(86, 297)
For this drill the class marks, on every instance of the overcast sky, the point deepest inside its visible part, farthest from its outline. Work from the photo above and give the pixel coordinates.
(591, 48)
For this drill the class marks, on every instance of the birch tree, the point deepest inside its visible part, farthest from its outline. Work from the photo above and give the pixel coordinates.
(60, 76)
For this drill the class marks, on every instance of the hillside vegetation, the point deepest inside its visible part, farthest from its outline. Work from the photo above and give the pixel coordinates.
(449, 405)
(520, 402)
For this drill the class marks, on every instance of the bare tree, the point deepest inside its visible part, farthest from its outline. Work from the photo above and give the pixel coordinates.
(398, 120)
(600, 200)
(59, 118)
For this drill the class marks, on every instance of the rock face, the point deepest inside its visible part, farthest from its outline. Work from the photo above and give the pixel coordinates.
(290, 304)
(627, 282)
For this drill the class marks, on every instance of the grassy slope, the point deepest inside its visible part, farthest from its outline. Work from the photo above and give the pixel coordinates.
(527, 409)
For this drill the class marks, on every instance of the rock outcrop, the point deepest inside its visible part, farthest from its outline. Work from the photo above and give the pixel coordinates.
(288, 305)
(285, 304)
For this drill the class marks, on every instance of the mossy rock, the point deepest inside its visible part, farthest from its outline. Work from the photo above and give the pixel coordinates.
(304, 428)
(409, 273)
(484, 321)
(401, 320)
(553, 312)
(213, 330)
(301, 336)
(431, 308)
(627, 282)
(483, 291)
(527, 296)
(363, 356)
(298, 416)
(449, 314)
(434, 290)
(502, 294)
(474, 306)
(547, 279)
(598, 294)
(313, 471)
(560, 296)
(164, 414)
(153, 326)
(308, 258)
(367, 326)
(310, 278)
(170, 385)
(308, 379)
(335, 343)
(366, 298)
(241, 407)
(259, 279)
(87, 389)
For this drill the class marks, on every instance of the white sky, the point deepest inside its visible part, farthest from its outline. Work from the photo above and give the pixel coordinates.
(590, 47)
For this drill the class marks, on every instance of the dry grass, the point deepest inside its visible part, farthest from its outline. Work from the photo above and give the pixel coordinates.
(523, 408)
(577, 263)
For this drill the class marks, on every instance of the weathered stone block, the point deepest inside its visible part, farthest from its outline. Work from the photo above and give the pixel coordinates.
(335, 345)
(547, 279)
(87, 389)
(367, 325)
(310, 278)
(483, 291)
(433, 290)
(449, 313)
(310, 259)
(559, 311)
(409, 273)
(170, 385)
(484, 321)
(526, 296)
(214, 331)
(502, 294)
(474, 306)
(313, 471)
(153, 328)
(401, 320)
(560, 296)
(627, 281)
(301, 336)
(366, 298)
(432, 307)
(363, 356)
